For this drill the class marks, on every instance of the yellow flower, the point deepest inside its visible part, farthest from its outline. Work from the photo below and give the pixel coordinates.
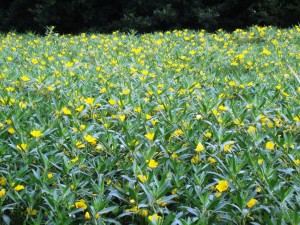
(133, 209)
(9, 89)
(34, 61)
(2, 193)
(150, 136)
(25, 78)
(270, 145)
(260, 161)
(138, 110)
(133, 70)
(89, 101)
(11, 130)
(297, 162)
(174, 156)
(222, 108)
(178, 132)
(142, 178)
(159, 42)
(199, 147)
(75, 159)
(90, 139)
(23, 105)
(144, 72)
(222, 185)
(144, 212)
(195, 159)
(152, 164)
(232, 83)
(19, 187)
(69, 64)
(66, 111)
(122, 117)
(250, 84)
(270, 124)
(126, 92)
(2, 181)
(227, 148)
(251, 129)
(80, 204)
(82, 127)
(266, 52)
(162, 204)
(87, 216)
(154, 217)
(252, 202)
(112, 101)
(248, 106)
(297, 118)
(211, 160)
(36, 133)
(238, 122)
(220, 120)
(50, 175)
(31, 212)
(154, 122)
(208, 134)
(22, 147)
(80, 108)
(79, 144)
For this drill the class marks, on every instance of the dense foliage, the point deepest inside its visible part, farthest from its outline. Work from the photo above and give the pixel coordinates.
(179, 127)
(144, 15)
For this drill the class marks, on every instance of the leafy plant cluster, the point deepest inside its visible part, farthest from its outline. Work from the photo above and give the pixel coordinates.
(180, 127)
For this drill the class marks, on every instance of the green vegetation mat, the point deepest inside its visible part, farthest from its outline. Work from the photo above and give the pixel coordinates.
(180, 127)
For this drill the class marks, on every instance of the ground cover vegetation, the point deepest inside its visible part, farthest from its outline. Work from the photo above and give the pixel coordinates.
(180, 127)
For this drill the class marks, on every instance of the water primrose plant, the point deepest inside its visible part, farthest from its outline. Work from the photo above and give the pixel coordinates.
(182, 127)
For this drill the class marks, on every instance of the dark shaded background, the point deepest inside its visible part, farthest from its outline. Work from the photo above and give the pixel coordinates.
(73, 16)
